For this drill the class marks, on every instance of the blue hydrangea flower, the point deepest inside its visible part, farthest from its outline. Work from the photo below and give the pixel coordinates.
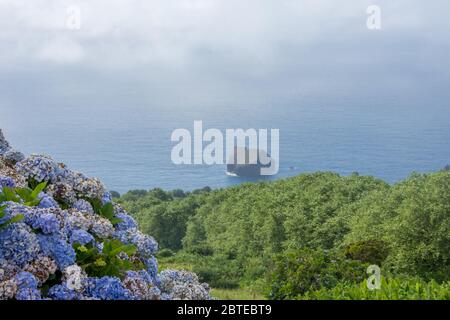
(41, 243)
(4, 145)
(106, 198)
(99, 246)
(26, 280)
(28, 294)
(47, 222)
(61, 292)
(18, 244)
(27, 287)
(7, 182)
(13, 156)
(47, 201)
(152, 267)
(166, 296)
(141, 286)
(107, 288)
(58, 249)
(42, 219)
(141, 274)
(127, 222)
(39, 168)
(81, 236)
(146, 245)
(83, 205)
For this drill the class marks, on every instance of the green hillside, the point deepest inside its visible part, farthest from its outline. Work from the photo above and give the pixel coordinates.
(305, 236)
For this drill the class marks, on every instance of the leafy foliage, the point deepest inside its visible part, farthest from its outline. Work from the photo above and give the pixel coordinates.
(370, 251)
(164, 215)
(28, 196)
(412, 217)
(6, 222)
(105, 210)
(297, 272)
(106, 262)
(391, 289)
(404, 227)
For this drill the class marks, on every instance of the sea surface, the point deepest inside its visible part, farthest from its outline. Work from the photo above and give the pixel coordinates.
(126, 142)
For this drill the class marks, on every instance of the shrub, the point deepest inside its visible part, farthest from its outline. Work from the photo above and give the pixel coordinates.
(202, 250)
(218, 272)
(165, 253)
(370, 251)
(391, 289)
(115, 194)
(297, 272)
(413, 218)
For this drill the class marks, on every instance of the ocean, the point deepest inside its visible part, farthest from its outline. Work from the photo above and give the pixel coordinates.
(126, 142)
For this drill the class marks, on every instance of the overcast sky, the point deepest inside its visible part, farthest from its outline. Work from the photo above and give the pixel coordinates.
(208, 50)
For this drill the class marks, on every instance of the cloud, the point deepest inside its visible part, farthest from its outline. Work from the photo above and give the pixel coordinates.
(61, 50)
(277, 46)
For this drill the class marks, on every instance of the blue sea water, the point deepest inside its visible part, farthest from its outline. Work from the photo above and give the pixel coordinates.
(127, 143)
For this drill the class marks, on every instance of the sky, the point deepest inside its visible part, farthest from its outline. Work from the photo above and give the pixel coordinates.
(205, 51)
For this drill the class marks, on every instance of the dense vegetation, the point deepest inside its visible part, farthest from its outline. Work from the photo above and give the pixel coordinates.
(310, 236)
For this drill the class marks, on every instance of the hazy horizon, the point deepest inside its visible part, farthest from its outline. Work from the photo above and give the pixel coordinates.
(106, 96)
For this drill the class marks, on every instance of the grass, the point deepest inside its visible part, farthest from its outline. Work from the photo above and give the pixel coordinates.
(164, 264)
(218, 293)
(236, 294)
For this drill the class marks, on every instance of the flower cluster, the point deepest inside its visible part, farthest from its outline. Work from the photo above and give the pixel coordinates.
(7, 182)
(13, 156)
(60, 249)
(4, 145)
(182, 285)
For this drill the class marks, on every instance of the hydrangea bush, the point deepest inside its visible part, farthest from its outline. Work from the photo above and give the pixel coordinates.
(62, 238)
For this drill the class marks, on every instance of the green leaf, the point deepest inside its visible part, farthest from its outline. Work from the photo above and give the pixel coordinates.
(17, 218)
(39, 188)
(96, 205)
(2, 211)
(14, 219)
(24, 193)
(10, 194)
(33, 203)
